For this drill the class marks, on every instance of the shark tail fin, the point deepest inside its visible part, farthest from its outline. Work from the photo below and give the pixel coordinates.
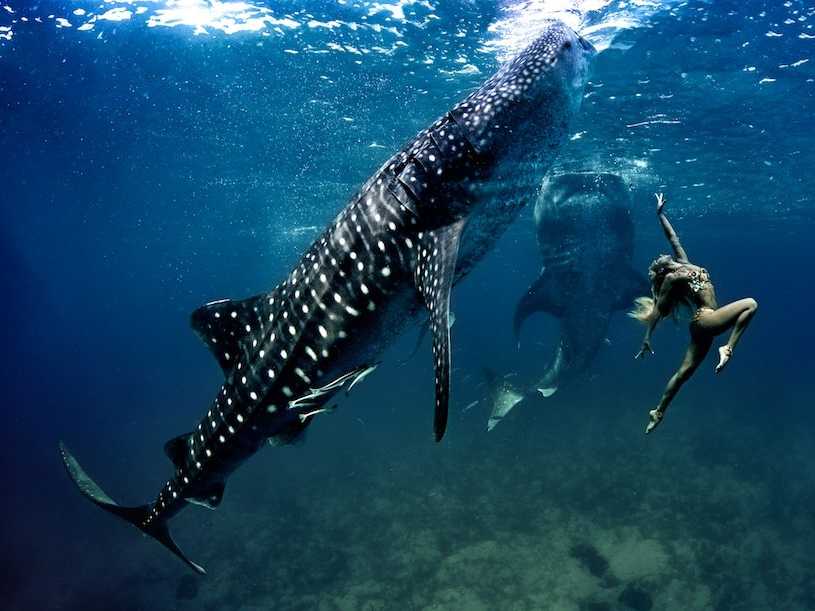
(137, 516)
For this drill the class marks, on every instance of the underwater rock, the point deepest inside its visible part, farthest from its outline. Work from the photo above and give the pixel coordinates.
(636, 598)
(633, 558)
(187, 588)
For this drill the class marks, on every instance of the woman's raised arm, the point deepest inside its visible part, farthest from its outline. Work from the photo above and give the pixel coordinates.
(679, 252)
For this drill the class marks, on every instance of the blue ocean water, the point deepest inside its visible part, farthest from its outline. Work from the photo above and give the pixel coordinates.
(155, 156)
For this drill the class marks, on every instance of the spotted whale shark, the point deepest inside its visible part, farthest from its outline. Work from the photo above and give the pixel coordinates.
(414, 229)
(586, 238)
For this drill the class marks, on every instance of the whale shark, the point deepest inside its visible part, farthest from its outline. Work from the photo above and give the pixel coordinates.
(586, 238)
(414, 229)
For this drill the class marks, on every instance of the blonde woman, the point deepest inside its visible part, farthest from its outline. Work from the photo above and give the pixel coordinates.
(675, 281)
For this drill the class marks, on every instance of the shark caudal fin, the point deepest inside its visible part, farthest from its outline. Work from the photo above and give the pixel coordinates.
(135, 515)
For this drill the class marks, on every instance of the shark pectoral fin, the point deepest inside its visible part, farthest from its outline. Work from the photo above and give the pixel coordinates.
(225, 324)
(209, 497)
(138, 516)
(434, 275)
(547, 392)
(534, 300)
(176, 449)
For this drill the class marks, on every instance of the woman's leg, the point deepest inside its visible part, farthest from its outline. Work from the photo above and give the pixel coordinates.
(697, 351)
(737, 315)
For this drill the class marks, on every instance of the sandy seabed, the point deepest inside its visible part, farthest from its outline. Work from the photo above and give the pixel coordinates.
(558, 513)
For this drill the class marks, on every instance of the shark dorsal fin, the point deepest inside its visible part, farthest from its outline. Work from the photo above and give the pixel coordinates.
(224, 325)
(176, 449)
(434, 274)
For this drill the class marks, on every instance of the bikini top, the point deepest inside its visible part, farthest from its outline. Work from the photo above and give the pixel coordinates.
(698, 279)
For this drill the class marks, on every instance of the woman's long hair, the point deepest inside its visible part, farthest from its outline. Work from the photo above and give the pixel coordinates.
(645, 307)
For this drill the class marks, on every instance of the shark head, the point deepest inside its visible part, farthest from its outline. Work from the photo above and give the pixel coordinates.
(527, 105)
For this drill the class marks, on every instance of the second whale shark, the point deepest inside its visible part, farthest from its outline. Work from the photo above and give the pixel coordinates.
(415, 228)
(586, 237)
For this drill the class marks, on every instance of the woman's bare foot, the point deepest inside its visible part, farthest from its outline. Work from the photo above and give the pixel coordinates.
(725, 352)
(655, 418)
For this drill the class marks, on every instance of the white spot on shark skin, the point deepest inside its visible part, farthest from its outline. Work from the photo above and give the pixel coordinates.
(322, 331)
(239, 418)
(270, 373)
(253, 395)
(234, 314)
(386, 271)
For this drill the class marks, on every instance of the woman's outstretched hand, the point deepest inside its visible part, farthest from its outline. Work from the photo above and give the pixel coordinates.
(660, 202)
(645, 350)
